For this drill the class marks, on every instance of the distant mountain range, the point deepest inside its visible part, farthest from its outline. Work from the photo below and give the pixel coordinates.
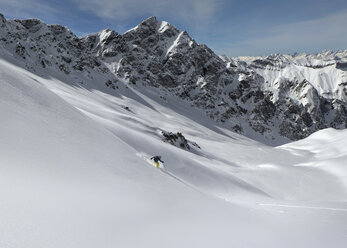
(273, 99)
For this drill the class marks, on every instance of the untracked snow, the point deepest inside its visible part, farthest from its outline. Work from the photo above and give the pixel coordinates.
(75, 172)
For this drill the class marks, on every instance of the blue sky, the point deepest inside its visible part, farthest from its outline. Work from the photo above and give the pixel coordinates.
(231, 27)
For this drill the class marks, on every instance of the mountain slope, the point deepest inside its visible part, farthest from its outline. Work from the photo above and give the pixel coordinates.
(273, 100)
(74, 173)
(306, 92)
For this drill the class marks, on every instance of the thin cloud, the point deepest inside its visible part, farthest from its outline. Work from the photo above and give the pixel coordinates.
(122, 10)
(28, 9)
(306, 36)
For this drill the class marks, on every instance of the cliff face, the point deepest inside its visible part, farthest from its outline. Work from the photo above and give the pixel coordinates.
(273, 99)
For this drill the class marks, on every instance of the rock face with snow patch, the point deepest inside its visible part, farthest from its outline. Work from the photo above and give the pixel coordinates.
(306, 93)
(272, 99)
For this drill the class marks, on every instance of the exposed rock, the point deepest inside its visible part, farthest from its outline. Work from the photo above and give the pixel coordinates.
(2, 20)
(177, 139)
(341, 65)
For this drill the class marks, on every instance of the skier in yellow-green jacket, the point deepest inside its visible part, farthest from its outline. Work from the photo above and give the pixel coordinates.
(156, 160)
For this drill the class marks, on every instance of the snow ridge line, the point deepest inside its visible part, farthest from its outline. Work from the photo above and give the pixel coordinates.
(304, 207)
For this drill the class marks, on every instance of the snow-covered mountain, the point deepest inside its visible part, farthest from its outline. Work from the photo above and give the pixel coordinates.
(79, 126)
(306, 93)
(274, 99)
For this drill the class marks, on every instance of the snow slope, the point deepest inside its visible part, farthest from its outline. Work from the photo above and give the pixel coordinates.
(75, 172)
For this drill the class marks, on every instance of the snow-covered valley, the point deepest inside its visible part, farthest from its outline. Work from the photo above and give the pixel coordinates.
(75, 170)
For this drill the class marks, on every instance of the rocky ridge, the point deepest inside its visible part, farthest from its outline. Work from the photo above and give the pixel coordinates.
(273, 99)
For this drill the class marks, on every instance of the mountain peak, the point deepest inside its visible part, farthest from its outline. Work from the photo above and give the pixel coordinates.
(150, 21)
(29, 23)
(2, 19)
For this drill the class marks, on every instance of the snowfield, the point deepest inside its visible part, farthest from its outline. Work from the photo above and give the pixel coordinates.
(75, 171)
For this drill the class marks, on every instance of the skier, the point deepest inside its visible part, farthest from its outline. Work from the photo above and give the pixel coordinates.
(156, 160)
